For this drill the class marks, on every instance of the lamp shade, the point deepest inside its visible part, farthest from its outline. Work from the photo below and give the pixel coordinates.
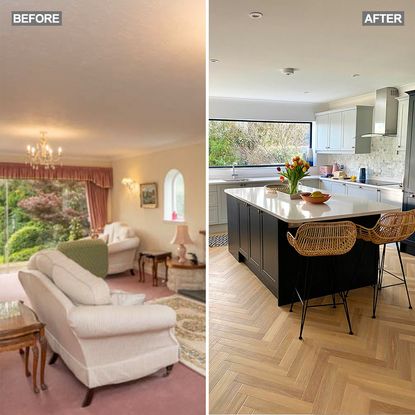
(181, 236)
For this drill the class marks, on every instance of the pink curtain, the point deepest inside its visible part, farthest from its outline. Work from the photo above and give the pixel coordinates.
(101, 176)
(97, 198)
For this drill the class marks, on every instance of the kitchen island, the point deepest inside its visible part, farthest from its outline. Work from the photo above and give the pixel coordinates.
(257, 227)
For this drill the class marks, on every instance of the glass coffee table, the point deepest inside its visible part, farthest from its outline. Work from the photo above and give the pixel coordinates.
(21, 330)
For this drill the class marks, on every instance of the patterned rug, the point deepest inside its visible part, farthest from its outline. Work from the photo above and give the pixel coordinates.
(220, 239)
(190, 330)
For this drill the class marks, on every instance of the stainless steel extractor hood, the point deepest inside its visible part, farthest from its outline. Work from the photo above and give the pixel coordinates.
(386, 113)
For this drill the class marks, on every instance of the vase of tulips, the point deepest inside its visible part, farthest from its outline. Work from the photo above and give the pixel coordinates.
(293, 173)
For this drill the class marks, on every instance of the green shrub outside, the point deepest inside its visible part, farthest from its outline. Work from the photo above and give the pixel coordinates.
(27, 237)
(25, 254)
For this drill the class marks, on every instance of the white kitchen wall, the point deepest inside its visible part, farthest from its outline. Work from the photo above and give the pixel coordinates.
(254, 109)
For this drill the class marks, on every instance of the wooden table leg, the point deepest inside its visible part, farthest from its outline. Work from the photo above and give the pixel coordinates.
(166, 270)
(143, 263)
(26, 361)
(43, 344)
(155, 280)
(35, 351)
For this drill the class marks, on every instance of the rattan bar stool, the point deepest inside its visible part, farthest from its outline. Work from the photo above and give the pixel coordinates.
(392, 227)
(318, 240)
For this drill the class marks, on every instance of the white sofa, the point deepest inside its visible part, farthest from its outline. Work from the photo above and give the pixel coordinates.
(100, 340)
(122, 247)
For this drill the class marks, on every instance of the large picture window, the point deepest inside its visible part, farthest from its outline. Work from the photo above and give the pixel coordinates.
(256, 143)
(38, 214)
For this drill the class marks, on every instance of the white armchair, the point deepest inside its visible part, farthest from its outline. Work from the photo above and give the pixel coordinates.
(122, 247)
(101, 340)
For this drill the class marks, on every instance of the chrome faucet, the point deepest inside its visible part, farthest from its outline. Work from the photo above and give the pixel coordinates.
(234, 174)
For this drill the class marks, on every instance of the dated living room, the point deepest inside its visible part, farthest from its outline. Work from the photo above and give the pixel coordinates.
(102, 208)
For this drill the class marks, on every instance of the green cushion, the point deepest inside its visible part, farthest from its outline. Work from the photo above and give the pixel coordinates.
(89, 254)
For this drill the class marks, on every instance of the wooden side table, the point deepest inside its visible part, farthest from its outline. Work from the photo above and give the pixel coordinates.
(20, 329)
(186, 275)
(156, 257)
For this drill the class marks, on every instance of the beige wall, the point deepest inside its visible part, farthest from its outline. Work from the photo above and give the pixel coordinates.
(155, 233)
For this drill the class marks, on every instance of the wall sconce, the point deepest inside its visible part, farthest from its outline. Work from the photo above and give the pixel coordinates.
(131, 184)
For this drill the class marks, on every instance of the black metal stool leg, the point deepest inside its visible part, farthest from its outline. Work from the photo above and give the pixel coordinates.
(294, 292)
(378, 286)
(307, 286)
(382, 267)
(346, 310)
(403, 275)
(295, 286)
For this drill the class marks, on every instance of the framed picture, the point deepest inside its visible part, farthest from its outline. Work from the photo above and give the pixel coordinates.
(148, 195)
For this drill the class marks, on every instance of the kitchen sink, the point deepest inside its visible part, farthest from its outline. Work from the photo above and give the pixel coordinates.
(237, 179)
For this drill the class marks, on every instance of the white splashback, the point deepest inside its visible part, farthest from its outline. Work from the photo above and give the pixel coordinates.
(383, 160)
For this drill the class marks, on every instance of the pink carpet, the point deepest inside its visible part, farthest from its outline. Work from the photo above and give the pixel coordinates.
(182, 393)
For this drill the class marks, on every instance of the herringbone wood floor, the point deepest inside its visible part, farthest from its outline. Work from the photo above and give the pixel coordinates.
(259, 366)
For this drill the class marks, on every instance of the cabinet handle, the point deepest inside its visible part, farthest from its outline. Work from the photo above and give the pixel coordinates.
(353, 147)
(399, 146)
(412, 195)
(360, 187)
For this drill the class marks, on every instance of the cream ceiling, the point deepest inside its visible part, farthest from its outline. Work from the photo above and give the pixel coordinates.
(324, 39)
(118, 78)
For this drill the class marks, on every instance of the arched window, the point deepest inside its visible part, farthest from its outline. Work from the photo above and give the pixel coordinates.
(174, 196)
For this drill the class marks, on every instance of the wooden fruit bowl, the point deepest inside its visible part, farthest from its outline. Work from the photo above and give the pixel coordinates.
(316, 200)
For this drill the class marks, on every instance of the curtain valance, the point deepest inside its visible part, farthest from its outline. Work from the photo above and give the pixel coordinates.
(100, 176)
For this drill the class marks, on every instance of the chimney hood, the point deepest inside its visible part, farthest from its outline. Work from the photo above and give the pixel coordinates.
(386, 113)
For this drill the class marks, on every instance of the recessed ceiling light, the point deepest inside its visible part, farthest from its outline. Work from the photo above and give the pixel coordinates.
(288, 71)
(255, 15)
(213, 60)
(355, 75)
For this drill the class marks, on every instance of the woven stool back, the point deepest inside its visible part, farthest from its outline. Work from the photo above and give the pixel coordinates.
(324, 239)
(391, 227)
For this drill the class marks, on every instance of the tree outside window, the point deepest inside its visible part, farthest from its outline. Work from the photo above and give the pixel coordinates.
(253, 143)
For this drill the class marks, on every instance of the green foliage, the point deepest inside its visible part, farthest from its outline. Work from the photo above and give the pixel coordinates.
(25, 254)
(40, 214)
(253, 143)
(76, 230)
(26, 237)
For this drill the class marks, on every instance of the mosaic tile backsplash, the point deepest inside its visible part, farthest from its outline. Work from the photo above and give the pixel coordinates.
(383, 160)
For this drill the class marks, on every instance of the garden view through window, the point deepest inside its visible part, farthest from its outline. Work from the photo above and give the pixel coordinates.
(38, 214)
(253, 143)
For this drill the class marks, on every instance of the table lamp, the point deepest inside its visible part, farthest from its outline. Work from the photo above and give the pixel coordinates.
(180, 238)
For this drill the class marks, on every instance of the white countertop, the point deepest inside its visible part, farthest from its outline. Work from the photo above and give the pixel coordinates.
(254, 180)
(396, 187)
(297, 211)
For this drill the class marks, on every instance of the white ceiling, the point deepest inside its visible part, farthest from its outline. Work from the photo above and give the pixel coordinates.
(323, 38)
(118, 78)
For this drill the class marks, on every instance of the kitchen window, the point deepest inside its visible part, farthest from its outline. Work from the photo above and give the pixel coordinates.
(256, 143)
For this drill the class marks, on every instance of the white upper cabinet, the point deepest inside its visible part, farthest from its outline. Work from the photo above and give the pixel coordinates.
(322, 124)
(349, 129)
(402, 122)
(340, 131)
(335, 131)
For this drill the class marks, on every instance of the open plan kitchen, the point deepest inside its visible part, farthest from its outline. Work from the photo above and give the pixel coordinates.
(311, 213)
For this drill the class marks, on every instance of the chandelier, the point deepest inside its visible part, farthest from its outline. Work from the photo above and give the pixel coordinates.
(42, 154)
